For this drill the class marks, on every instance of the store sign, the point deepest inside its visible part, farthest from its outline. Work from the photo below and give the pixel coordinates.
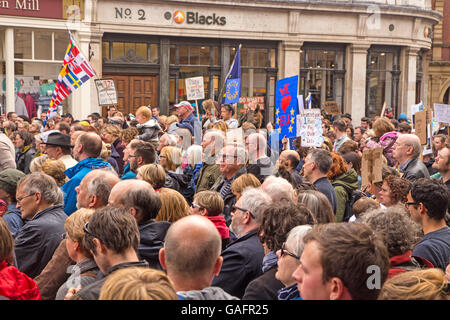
(53, 9)
(196, 18)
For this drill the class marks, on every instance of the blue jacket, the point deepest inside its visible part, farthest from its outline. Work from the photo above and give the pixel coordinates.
(190, 123)
(127, 173)
(242, 262)
(76, 174)
(13, 218)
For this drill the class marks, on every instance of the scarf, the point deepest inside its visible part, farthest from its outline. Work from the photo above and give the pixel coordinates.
(289, 293)
(269, 261)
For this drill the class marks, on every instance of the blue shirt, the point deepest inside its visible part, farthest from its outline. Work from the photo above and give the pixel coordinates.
(435, 247)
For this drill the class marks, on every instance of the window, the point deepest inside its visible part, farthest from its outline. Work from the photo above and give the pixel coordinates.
(383, 73)
(130, 52)
(40, 45)
(322, 72)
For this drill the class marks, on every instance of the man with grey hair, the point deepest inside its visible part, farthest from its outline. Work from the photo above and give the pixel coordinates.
(260, 165)
(93, 191)
(315, 169)
(210, 174)
(279, 189)
(143, 203)
(242, 259)
(191, 256)
(231, 161)
(39, 200)
(165, 141)
(407, 150)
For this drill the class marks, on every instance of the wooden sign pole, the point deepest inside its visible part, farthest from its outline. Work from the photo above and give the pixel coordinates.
(196, 107)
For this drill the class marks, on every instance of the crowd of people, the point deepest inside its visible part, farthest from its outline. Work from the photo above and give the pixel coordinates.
(217, 206)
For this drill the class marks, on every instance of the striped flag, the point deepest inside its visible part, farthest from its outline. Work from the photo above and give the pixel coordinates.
(308, 101)
(75, 71)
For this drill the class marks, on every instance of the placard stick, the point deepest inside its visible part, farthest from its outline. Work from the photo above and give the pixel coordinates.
(382, 111)
(196, 107)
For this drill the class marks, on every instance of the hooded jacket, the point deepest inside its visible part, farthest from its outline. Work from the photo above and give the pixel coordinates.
(16, 285)
(76, 174)
(387, 141)
(208, 293)
(152, 239)
(342, 186)
(148, 131)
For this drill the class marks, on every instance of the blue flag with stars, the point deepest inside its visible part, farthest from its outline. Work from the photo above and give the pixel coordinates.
(232, 90)
(286, 107)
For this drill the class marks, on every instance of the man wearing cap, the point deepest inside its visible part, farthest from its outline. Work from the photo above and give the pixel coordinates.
(8, 186)
(58, 147)
(186, 118)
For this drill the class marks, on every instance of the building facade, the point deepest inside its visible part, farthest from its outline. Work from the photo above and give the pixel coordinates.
(439, 64)
(359, 54)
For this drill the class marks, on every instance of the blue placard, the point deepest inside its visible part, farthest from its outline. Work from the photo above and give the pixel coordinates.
(286, 107)
(233, 90)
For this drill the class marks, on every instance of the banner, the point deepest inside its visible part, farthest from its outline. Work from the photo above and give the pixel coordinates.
(286, 107)
(76, 71)
(309, 127)
(195, 89)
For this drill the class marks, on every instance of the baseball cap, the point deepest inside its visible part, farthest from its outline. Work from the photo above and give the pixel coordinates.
(183, 104)
(9, 179)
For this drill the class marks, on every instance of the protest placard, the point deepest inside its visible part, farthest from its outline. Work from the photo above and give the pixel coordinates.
(106, 91)
(442, 113)
(331, 107)
(420, 126)
(286, 107)
(309, 127)
(371, 166)
(195, 89)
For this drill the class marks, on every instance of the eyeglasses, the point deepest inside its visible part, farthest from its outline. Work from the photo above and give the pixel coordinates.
(86, 230)
(412, 203)
(162, 157)
(234, 208)
(284, 251)
(131, 156)
(193, 205)
(20, 199)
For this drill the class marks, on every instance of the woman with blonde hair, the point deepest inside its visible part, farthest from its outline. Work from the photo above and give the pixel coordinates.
(138, 283)
(85, 270)
(152, 173)
(111, 136)
(171, 124)
(244, 181)
(173, 206)
(55, 169)
(220, 125)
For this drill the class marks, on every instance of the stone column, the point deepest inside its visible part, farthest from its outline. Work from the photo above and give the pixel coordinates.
(164, 79)
(290, 59)
(355, 82)
(9, 72)
(409, 87)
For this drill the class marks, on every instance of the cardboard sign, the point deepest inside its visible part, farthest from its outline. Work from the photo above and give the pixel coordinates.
(309, 127)
(331, 107)
(106, 91)
(371, 166)
(195, 89)
(246, 100)
(442, 113)
(286, 107)
(420, 126)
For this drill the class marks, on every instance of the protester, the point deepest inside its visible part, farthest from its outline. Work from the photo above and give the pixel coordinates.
(227, 113)
(58, 147)
(335, 262)
(278, 189)
(187, 118)
(14, 285)
(340, 128)
(210, 173)
(407, 150)
(191, 255)
(7, 160)
(173, 205)
(242, 182)
(39, 200)
(23, 141)
(427, 204)
(137, 153)
(8, 186)
(289, 160)
(318, 204)
(111, 135)
(55, 169)
(148, 128)
(393, 191)
(153, 174)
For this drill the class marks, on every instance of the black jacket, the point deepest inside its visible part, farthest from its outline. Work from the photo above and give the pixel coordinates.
(261, 168)
(242, 262)
(265, 287)
(415, 170)
(92, 291)
(152, 239)
(38, 239)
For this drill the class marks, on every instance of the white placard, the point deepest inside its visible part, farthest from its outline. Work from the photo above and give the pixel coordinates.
(309, 127)
(442, 113)
(106, 91)
(195, 88)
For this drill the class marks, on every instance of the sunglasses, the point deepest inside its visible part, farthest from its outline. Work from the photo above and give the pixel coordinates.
(86, 230)
(283, 252)
(193, 205)
(234, 208)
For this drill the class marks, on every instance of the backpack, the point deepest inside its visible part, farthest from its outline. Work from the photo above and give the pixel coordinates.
(353, 196)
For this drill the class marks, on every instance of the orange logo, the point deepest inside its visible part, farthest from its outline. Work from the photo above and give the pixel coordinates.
(179, 16)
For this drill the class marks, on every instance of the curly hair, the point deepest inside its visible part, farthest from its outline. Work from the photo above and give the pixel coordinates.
(399, 232)
(55, 169)
(399, 188)
(278, 219)
(128, 134)
(338, 167)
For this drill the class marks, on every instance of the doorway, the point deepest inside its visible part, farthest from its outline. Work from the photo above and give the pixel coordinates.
(134, 92)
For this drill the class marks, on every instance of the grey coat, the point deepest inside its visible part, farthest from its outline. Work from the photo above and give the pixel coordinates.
(38, 239)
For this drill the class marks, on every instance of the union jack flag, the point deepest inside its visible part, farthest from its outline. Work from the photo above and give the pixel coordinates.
(76, 70)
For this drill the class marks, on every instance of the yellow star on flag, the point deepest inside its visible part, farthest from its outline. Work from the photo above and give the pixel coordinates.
(279, 130)
(292, 111)
(290, 128)
(278, 120)
(292, 120)
(278, 111)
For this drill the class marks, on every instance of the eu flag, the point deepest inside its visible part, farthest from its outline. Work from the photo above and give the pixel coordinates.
(233, 74)
(233, 89)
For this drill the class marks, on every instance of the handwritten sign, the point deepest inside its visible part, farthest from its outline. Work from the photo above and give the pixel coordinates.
(106, 91)
(246, 100)
(286, 107)
(442, 113)
(195, 89)
(331, 107)
(309, 127)
(420, 126)
(371, 166)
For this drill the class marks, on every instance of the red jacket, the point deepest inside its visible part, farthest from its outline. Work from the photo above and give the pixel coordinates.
(16, 285)
(406, 262)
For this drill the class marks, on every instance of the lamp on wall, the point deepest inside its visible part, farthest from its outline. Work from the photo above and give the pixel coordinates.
(91, 52)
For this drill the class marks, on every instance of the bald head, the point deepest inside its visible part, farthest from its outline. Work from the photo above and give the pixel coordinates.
(137, 196)
(407, 146)
(94, 189)
(192, 247)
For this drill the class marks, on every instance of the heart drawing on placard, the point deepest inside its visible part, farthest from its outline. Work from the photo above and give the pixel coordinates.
(285, 101)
